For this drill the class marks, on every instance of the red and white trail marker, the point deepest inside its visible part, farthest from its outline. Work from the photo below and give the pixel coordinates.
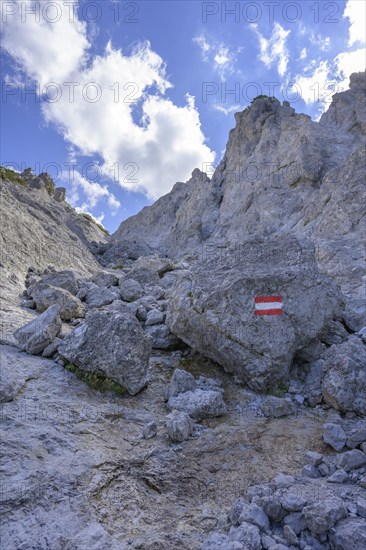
(268, 305)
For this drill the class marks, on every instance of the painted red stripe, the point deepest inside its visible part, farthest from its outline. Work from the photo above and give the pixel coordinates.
(268, 311)
(262, 299)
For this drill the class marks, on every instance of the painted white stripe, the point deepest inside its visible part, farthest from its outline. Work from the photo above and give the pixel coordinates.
(269, 305)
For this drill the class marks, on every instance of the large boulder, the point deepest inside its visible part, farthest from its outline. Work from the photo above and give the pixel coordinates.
(212, 307)
(349, 534)
(45, 295)
(199, 404)
(98, 296)
(112, 343)
(179, 426)
(35, 336)
(65, 279)
(344, 382)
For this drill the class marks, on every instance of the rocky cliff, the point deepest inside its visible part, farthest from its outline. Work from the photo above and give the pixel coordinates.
(38, 228)
(281, 173)
(211, 399)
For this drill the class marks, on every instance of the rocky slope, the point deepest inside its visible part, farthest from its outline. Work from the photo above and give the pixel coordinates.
(39, 228)
(281, 172)
(120, 428)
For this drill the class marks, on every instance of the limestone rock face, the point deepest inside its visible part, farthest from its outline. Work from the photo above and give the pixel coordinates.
(344, 383)
(37, 230)
(35, 336)
(46, 295)
(111, 343)
(212, 308)
(281, 172)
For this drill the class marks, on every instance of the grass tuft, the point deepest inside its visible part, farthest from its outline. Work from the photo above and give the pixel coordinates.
(96, 381)
(91, 219)
(9, 175)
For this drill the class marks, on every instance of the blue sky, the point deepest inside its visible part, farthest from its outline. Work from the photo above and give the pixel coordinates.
(119, 100)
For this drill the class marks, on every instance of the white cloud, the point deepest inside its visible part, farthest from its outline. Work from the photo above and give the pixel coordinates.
(132, 125)
(327, 79)
(220, 57)
(48, 52)
(348, 63)
(227, 110)
(313, 87)
(92, 190)
(356, 12)
(274, 49)
(303, 53)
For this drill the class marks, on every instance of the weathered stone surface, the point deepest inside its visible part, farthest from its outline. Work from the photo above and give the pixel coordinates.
(60, 194)
(180, 382)
(65, 279)
(99, 296)
(321, 516)
(105, 278)
(155, 317)
(149, 430)
(211, 308)
(296, 521)
(199, 403)
(356, 438)
(344, 383)
(111, 343)
(293, 503)
(130, 290)
(162, 338)
(269, 184)
(276, 407)
(52, 348)
(351, 460)
(39, 333)
(46, 295)
(255, 515)
(334, 435)
(247, 535)
(349, 534)
(340, 476)
(179, 426)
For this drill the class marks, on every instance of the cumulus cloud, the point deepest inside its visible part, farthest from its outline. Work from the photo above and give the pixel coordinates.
(92, 190)
(46, 51)
(326, 79)
(273, 50)
(220, 57)
(355, 10)
(111, 105)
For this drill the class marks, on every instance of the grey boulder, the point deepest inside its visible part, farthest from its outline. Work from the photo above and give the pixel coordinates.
(349, 534)
(35, 336)
(199, 403)
(351, 460)
(179, 426)
(99, 296)
(344, 382)
(181, 381)
(334, 435)
(65, 279)
(321, 516)
(45, 295)
(276, 407)
(105, 278)
(212, 308)
(111, 343)
(131, 290)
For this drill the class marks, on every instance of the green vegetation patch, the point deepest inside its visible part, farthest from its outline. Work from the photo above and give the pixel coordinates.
(9, 175)
(96, 381)
(91, 219)
(119, 266)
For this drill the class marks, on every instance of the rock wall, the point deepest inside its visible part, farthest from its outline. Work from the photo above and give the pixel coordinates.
(281, 173)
